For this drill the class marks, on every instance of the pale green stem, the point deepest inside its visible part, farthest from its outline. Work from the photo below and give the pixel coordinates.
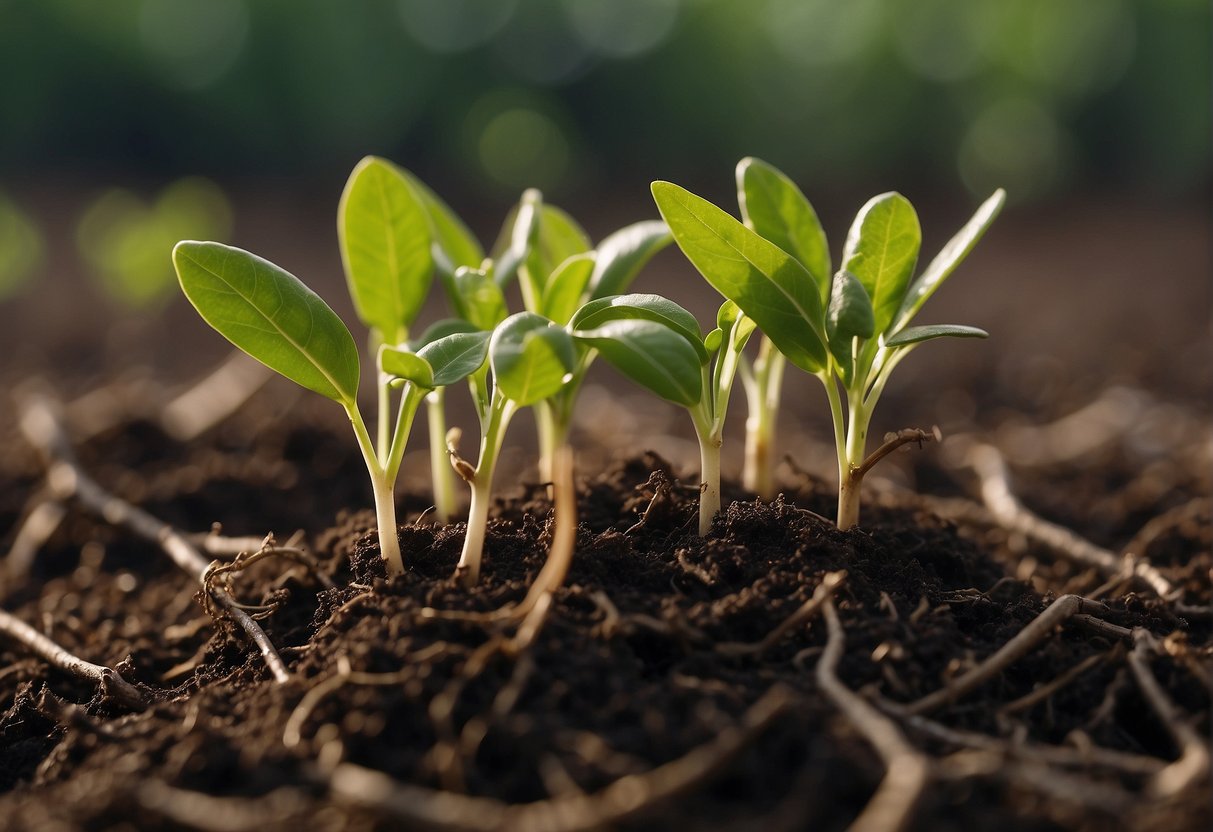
(500, 413)
(551, 434)
(409, 402)
(763, 395)
(383, 421)
(709, 438)
(441, 474)
(385, 503)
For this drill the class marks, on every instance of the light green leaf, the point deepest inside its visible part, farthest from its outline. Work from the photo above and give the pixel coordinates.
(453, 244)
(531, 357)
(918, 334)
(597, 313)
(730, 318)
(565, 288)
(881, 250)
(560, 237)
(772, 205)
(713, 340)
(456, 356)
(401, 363)
(482, 299)
(384, 234)
(949, 257)
(267, 312)
(769, 285)
(518, 236)
(652, 355)
(623, 253)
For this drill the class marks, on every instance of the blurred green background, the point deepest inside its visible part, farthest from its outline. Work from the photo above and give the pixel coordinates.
(129, 124)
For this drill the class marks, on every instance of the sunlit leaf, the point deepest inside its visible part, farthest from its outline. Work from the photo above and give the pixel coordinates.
(482, 300)
(384, 234)
(769, 285)
(454, 245)
(881, 251)
(772, 205)
(656, 308)
(622, 254)
(267, 312)
(401, 363)
(565, 288)
(456, 356)
(531, 358)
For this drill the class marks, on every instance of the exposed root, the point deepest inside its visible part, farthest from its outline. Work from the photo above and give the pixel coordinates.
(208, 813)
(1193, 763)
(111, 683)
(215, 397)
(1008, 512)
(907, 769)
(1045, 691)
(40, 523)
(215, 572)
(807, 611)
(67, 480)
(626, 798)
(1037, 631)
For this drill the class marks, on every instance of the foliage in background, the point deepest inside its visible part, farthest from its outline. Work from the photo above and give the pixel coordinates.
(21, 248)
(1035, 95)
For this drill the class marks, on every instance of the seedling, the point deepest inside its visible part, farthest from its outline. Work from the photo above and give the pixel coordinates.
(393, 231)
(271, 315)
(657, 344)
(851, 333)
(531, 360)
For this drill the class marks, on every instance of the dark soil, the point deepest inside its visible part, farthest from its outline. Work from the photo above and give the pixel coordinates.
(624, 676)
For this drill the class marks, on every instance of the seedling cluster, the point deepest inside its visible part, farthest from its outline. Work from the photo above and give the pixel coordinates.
(849, 328)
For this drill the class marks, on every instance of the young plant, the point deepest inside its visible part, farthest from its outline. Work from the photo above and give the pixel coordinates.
(550, 256)
(850, 334)
(393, 231)
(269, 313)
(657, 344)
(531, 360)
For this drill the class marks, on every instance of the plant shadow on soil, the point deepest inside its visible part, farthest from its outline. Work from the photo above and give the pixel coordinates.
(623, 677)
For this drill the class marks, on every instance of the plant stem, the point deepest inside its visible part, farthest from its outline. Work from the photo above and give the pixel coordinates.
(850, 470)
(709, 474)
(383, 421)
(763, 396)
(385, 503)
(441, 474)
(500, 413)
(553, 430)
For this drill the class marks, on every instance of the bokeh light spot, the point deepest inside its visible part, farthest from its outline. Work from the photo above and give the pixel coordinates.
(448, 26)
(622, 28)
(193, 41)
(1014, 144)
(522, 147)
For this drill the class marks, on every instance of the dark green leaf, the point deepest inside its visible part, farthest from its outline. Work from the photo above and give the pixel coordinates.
(596, 313)
(401, 363)
(441, 329)
(881, 250)
(622, 254)
(769, 285)
(456, 356)
(531, 357)
(917, 334)
(652, 355)
(949, 257)
(271, 315)
(772, 205)
(848, 317)
(565, 288)
(384, 234)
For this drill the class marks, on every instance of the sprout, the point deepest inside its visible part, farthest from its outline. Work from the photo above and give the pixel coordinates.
(657, 344)
(851, 333)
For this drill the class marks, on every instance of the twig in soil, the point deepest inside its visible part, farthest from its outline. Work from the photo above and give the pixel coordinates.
(1196, 509)
(907, 770)
(892, 442)
(40, 523)
(1008, 512)
(1193, 763)
(1045, 691)
(1035, 632)
(1057, 786)
(196, 810)
(216, 543)
(622, 800)
(267, 549)
(107, 679)
(213, 398)
(44, 430)
(829, 583)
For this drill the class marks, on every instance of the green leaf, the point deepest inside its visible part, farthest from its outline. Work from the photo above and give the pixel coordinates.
(532, 358)
(730, 319)
(267, 312)
(560, 237)
(918, 334)
(849, 317)
(384, 234)
(713, 340)
(565, 288)
(453, 244)
(401, 363)
(456, 356)
(482, 298)
(773, 206)
(652, 355)
(881, 250)
(623, 253)
(441, 329)
(596, 313)
(518, 235)
(769, 285)
(949, 257)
